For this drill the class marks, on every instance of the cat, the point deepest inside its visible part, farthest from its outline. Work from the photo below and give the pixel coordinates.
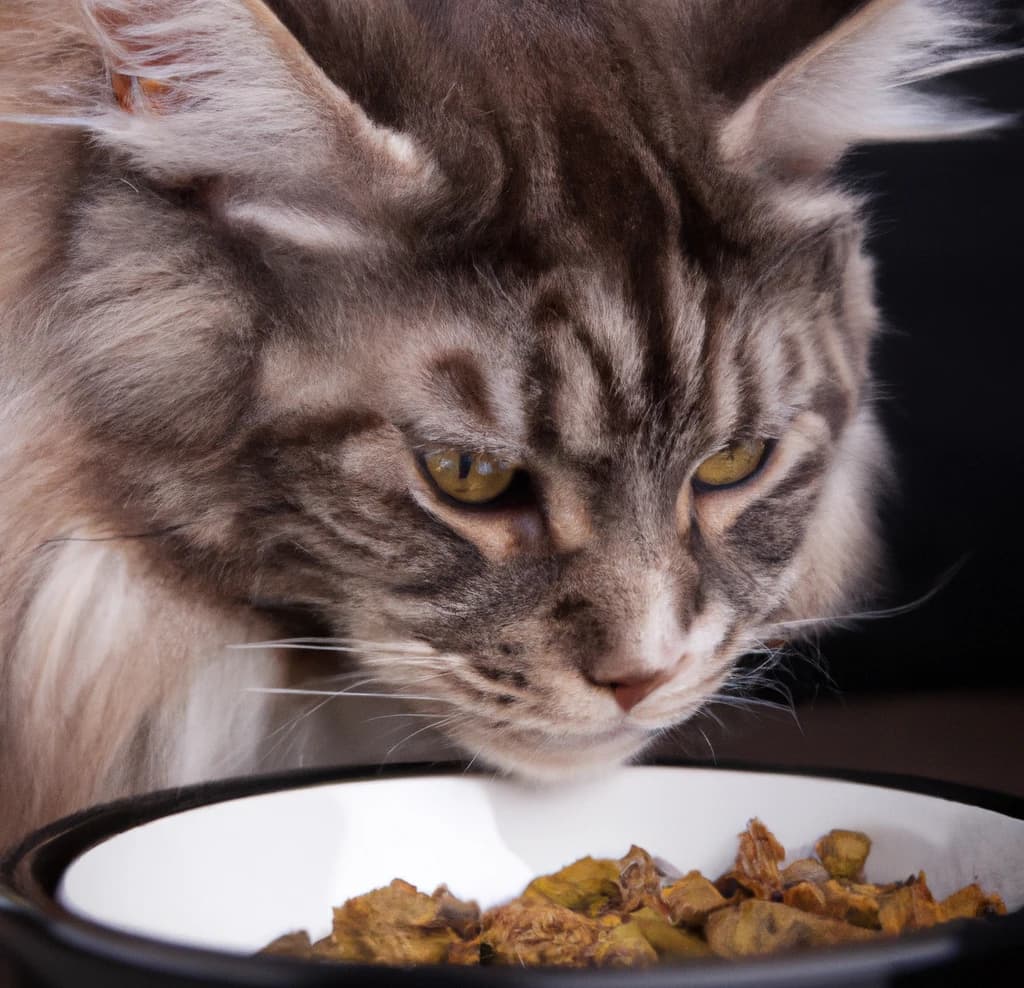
(521, 351)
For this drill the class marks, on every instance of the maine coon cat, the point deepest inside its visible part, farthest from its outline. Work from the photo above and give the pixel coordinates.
(521, 348)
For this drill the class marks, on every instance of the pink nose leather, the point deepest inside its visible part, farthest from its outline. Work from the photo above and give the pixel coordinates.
(629, 692)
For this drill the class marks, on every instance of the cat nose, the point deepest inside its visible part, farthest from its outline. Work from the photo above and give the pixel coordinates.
(630, 690)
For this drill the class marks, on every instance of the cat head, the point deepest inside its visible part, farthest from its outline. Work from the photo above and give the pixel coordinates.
(526, 344)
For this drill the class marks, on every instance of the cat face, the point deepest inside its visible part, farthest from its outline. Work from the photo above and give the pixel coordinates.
(610, 286)
(606, 592)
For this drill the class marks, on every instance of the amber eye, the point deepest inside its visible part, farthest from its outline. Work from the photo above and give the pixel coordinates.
(738, 461)
(469, 477)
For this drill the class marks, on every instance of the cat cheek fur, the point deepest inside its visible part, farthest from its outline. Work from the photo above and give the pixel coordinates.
(227, 312)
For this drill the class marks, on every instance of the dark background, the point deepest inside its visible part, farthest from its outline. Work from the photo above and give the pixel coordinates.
(947, 223)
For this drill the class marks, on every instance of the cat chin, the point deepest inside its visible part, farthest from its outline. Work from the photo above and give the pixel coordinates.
(557, 760)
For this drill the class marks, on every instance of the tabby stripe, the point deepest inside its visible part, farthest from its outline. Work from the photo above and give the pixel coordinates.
(498, 674)
(615, 412)
(549, 314)
(367, 548)
(795, 363)
(461, 382)
(717, 311)
(833, 404)
(770, 535)
(770, 530)
(750, 376)
(317, 429)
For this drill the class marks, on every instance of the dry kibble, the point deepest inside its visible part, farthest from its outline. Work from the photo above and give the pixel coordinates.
(396, 925)
(756, 927)
(521, 934)
(909, 907)
(804, 870)
(639, 881)
(844, 902)
(603, 912)
(843, 853)
(806, 896)
(970, 902)
(589, 886)
(758, 858)
(669, 942)
(691, 899)
(290, 945)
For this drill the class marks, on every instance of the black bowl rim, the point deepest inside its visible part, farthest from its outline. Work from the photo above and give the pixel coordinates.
(30, 873)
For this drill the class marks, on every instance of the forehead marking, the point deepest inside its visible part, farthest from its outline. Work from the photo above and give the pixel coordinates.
(457, 380)
(580, 399)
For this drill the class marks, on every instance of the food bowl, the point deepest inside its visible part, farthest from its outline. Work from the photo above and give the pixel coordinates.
(184, 885)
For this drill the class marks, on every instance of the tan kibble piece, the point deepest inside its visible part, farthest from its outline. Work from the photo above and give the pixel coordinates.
(845, 902)
(806, 896)
(590, 885)
(639, 881)
(290, 945)
(804, 870)
(464, 952)
(691, 899)
(970, 902)
(758, 859)
(756, 927)
(543, 933)
(624, 946)
(462, 917)
(395, 925)
(910, 907)
(668, 941)
(843, 853)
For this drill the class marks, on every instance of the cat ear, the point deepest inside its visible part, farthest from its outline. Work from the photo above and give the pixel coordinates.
(859, 83)
(220, 90)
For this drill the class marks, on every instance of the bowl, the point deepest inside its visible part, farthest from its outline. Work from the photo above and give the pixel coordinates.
(180, 886)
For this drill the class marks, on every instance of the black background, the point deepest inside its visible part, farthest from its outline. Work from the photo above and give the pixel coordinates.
(947, 221)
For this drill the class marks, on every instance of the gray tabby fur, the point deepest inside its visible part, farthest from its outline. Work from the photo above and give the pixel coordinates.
(601, 237)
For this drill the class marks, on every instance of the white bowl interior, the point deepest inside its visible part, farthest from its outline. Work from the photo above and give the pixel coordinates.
(237, 874)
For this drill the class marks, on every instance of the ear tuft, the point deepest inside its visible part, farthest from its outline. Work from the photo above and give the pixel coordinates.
(206, 87)
(134, 94)
(861, 83)
(219, 95)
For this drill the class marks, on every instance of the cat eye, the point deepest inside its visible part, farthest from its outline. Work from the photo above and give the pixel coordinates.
(739, 461)
(469, 477)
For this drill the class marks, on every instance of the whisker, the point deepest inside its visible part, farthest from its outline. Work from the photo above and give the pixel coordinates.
(711, 747)
(370, 720)
(415, 648)
(349, 688)
(885, 612)
(341, 677)
(309, 647)
(392, 661)
(290, 726)
(708, 712)
(292, 691)
(743, 702)
(443, 722)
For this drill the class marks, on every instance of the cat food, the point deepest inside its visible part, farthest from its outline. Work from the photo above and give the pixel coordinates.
(601, 912)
